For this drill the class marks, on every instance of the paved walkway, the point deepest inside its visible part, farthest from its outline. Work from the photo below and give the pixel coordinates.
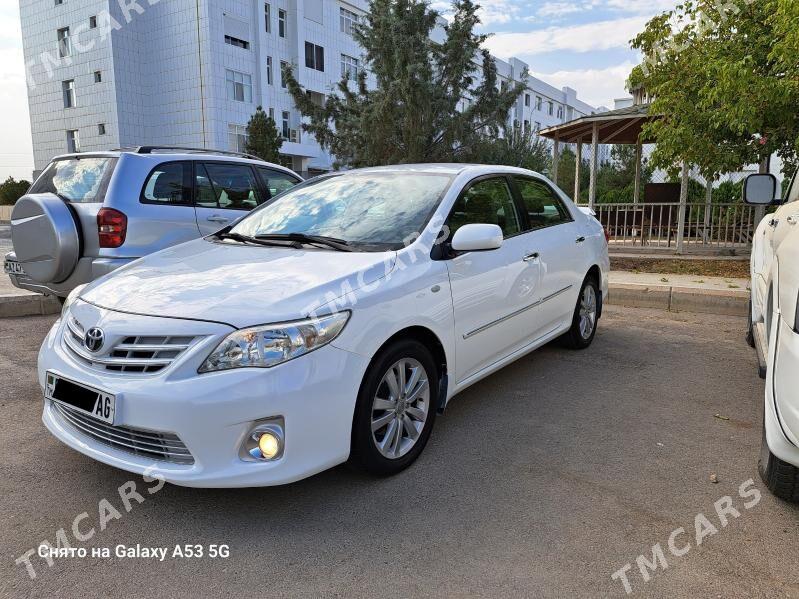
(692, 281)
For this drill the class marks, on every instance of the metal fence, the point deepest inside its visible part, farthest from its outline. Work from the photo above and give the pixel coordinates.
(704, 226)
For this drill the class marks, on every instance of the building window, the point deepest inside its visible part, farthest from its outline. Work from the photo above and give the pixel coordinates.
(59, 2)
(93, 22)
(73, 141)
(101, 129)
(239, 86)
(315, 97)
(537, 127)
(349, 67)
(98, 76)
(272, 113)
(234, 41)
(237, 137)
(314, 56)
(560, 112)
(68, 88)
(281, 23)
(269, 70)
(526, 126)
(527, 100)
(549, 107)
(538, 102)
(64, 47)
(285, 131)
(283, 65)
(347, 19)
(268, 17)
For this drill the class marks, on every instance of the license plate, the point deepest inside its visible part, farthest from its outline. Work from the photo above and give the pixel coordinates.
(92, 402)
(13, 267)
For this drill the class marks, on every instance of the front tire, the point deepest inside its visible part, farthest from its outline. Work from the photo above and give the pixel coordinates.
(586, 314)
(781, 478)
(750, 331)
(396, 408)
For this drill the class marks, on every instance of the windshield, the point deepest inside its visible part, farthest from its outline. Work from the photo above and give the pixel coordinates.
(378, 209)
(81, 180)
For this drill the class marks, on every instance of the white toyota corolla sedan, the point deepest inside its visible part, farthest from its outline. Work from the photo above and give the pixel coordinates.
(330, 324)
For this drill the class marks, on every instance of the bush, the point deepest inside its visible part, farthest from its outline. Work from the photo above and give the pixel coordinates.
(11, 190)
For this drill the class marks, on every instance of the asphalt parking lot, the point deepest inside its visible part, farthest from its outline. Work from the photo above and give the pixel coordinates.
(5, 239)
(542, 480)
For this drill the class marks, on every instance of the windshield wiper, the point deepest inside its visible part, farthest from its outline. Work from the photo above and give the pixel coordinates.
(331, 242)
(256, 240)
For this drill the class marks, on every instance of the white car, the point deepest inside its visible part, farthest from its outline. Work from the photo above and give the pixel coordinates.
(774, 329)
(331, 323)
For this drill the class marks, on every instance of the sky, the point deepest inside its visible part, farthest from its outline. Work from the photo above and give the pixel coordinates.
(583, 44)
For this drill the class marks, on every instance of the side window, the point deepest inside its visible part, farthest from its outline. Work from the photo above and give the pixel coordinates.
(487, 201)
(543, 207)
(169, 183)
(793, 190)
(276, 181)
(231, 186)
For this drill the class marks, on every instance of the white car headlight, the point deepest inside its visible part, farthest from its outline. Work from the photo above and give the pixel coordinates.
(268, 345)
(73, 295)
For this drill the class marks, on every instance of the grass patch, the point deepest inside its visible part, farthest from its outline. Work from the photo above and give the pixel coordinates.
(733, 269)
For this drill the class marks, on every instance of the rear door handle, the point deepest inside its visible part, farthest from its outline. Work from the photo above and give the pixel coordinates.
(580, 239)
(531, 257)
(215, 218)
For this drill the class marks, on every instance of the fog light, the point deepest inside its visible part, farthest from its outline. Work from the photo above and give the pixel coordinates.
(269, 445)
(264, 442)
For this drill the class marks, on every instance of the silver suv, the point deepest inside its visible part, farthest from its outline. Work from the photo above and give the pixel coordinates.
(88, 214)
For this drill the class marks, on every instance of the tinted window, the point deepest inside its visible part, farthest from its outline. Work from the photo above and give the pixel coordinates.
(169, 183)
(488, 201)
(381, 209)
(84, 180)
(276, 181)
(543, 207)
(226, 186)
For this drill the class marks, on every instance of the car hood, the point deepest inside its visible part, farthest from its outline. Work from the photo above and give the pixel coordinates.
(236, 284)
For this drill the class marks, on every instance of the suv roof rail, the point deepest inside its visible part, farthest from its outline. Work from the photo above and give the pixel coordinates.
(152, 149)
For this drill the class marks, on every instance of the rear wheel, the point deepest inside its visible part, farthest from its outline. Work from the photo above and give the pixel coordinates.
(750, 331)
(584, 320)
(396, 408)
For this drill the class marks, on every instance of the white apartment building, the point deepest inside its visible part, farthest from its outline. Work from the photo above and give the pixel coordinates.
(119, 73)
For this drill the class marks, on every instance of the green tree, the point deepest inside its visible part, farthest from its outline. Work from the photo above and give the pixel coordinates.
(263, 138)
(514, 148)
(425, 106)
(567, 161)
(724, 78)
(11, 190)
(616, 177)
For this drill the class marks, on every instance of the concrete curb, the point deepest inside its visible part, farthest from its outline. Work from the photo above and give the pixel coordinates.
(28, 305)
(727, 302)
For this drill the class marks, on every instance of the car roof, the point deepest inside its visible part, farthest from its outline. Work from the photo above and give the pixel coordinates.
(447, 168)
(169, 154)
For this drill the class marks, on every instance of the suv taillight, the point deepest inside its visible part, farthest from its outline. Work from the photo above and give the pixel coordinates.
(112, 225)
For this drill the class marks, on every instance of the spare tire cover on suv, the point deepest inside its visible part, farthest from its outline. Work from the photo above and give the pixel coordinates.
(45, 237)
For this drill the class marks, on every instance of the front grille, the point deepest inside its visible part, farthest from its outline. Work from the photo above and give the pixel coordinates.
(131, 354)
(157, 446)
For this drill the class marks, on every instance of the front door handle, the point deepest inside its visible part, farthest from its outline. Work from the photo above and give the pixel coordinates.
(215, 218)
(793, 219)
(580, 239)
(773, 222)
(531, 257)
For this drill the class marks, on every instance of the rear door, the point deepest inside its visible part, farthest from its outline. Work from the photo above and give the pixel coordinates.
(557, 240)
(224, 192)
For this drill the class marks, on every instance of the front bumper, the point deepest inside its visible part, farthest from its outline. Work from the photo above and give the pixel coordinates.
(782, 400)
(212, 413)
(87, 270)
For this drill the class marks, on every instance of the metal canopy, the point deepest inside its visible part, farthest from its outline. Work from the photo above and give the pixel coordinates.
(622, 126)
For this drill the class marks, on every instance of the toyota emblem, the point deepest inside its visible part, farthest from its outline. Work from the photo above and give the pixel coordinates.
(94, 339)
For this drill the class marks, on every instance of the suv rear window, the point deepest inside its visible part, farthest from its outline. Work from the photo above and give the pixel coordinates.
(81, 180)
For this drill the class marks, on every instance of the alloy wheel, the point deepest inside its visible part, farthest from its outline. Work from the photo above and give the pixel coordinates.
(587, 312)
(400, 408)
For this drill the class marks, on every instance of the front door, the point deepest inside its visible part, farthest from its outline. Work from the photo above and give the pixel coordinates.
(224, 192)
(491, 290)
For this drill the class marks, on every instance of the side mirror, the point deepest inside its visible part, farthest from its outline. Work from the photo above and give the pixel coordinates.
(760, 189)
(477, 237)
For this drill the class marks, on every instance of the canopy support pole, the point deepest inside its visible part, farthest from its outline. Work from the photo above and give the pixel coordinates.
(594, 160)
(683, 205)
(578, 159)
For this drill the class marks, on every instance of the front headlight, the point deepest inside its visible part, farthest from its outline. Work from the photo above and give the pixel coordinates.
(73, 295)
(268, 345)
